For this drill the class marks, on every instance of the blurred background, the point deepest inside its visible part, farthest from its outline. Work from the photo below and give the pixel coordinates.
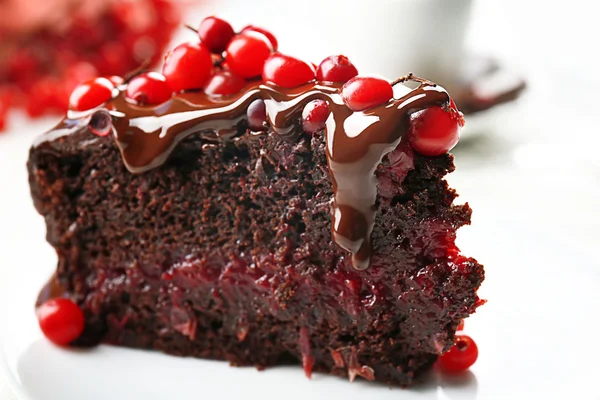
(525, 73)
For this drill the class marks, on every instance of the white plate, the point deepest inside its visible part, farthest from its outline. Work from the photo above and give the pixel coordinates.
(537, 335)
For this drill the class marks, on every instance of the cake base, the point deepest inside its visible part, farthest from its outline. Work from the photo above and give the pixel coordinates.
(225, 252)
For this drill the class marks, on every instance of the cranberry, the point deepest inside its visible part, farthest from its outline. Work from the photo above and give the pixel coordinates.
(247, 53)
(148, 88)
(224, 83)
(435, 130)
(461, 325)
(269, 35)
(215, 34)
(461, 356)
(257, 115)
(187, 66)
(61, 320)
(101, 123)
(336, 69)
(91, 94)
(361, 92)
(286, 71)
(314, 116)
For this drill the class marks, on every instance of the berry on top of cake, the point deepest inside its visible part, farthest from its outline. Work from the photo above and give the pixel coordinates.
(246, 205)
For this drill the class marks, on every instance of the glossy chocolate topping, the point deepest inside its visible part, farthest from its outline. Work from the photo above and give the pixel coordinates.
(51, 290)
(356, 141)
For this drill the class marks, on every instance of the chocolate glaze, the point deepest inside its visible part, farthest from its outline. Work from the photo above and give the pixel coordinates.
(356, 141)
(51, 290)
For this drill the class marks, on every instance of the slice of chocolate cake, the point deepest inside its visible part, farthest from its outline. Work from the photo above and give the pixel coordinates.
(213, 225)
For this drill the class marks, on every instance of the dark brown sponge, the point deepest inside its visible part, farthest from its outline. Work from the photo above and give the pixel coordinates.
(225, 252)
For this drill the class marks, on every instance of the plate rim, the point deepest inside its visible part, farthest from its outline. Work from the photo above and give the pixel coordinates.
(19, 390)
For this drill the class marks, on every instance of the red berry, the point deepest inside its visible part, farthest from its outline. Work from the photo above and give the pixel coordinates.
(101, 123)
(91, 94)
(461, 356)
(215, 34)
(148, 88)
(257, 115)
(336, 69)
(286, 71)
(247, 53)
(361, 93)
(314, 116)
(187, 66)
(61, 320)
(269, 35)
(224, 83)
(435, 130)
(461, 325)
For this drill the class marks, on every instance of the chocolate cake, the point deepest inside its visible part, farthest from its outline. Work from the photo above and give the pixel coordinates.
(185, 231)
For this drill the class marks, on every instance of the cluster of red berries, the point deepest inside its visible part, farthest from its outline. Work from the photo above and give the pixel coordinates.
(461, 356)
(221, 62)
(41, 70)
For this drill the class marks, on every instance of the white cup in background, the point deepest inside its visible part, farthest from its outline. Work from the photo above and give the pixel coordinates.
(385, 37)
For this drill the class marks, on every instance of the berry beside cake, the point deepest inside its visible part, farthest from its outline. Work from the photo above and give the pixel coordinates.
(249, 206)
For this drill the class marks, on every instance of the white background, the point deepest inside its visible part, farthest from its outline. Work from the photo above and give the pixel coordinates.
(535, 161)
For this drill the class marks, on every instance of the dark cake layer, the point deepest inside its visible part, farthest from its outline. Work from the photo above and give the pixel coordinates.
(226, 252)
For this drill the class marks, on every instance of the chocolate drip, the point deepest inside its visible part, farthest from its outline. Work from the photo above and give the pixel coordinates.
(51, 290)
(356, 141)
